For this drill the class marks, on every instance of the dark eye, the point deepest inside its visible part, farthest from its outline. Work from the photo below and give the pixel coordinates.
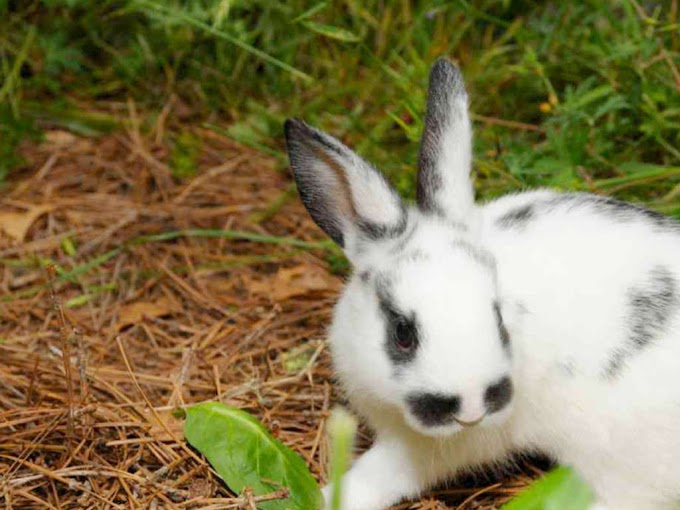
(405, 334)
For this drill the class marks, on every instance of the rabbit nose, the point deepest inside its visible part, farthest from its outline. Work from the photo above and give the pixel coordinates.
(498, 395)
(434, 408)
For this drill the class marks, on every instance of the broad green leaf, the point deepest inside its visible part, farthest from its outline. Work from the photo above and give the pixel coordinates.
(561, 489)
(245, 454)
(338, 33)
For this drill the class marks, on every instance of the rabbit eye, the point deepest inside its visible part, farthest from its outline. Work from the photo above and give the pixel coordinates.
(405, 335)
(401, 330)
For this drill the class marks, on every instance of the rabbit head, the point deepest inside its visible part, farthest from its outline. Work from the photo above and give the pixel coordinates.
(418, 328)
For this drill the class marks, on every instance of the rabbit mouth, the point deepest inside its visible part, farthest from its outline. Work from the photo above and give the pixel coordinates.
(472, 423)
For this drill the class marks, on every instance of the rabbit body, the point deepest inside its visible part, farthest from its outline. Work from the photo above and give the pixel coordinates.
(575, 280)
(539, 321)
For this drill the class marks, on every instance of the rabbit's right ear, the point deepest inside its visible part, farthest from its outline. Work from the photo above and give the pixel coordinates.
(444, 185)
(346, 196)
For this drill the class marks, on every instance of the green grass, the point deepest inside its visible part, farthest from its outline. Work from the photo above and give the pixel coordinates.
(597, 83)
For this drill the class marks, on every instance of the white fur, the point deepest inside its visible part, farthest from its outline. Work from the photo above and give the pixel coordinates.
(564, 281)
(456, 194)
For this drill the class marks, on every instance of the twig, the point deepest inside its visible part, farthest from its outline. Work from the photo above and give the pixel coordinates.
(66, 354)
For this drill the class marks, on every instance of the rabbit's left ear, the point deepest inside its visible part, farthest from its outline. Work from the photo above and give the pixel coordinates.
(345, 195)
(444, 185)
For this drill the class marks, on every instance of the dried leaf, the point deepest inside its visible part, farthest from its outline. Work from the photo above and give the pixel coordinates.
(167, 428)
(133, 313)
(58, 138)
(295, 281)
(16, 224)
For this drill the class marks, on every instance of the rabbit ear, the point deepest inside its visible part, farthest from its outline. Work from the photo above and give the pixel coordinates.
(345, 195)
(444, 185)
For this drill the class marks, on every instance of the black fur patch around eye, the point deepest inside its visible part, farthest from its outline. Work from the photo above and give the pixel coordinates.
(517, 218)
(650, 309)
(502, 330)
(397, 322)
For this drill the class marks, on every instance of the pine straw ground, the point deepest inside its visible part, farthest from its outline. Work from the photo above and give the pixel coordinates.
(145, 314)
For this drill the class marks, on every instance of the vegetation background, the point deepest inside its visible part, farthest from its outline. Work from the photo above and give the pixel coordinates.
(577, 95)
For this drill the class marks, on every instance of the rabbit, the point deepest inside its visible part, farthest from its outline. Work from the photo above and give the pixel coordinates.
(539, 321)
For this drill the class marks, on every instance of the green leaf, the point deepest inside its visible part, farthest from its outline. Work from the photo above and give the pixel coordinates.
(342, 428)
(338, 33)
(184, 155)
(68, 246)
(561, 489)
(244, 454)
(93, 292)
(297, 358)
(643, 172)
(310, 12)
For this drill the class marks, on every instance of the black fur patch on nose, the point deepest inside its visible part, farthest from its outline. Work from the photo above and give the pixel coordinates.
(434, 408)
(498, 395)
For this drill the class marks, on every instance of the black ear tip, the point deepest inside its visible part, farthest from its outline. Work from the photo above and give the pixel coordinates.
(445, 72)
(291, 126)
(442, 61)
(298, 129)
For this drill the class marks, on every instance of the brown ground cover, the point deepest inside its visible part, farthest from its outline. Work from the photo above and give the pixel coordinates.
(117, 308)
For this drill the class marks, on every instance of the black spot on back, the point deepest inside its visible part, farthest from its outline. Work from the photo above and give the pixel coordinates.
(615, 209)
(650, 310)
(516, 218)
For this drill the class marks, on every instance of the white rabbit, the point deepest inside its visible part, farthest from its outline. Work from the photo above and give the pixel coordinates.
(539, 321)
